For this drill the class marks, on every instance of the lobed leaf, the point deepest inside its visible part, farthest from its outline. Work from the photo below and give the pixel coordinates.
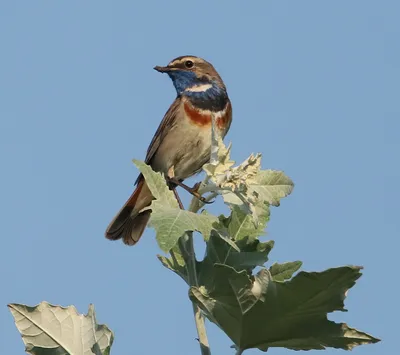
(60, 330)
(271, 186)
(251, 254)
(171, 223)
(261, 313)
(157, 185)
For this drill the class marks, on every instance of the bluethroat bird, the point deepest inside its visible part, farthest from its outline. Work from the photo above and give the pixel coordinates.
(182, 142)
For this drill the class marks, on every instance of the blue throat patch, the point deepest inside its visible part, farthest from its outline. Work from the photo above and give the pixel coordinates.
(183, 80)
(213, 99)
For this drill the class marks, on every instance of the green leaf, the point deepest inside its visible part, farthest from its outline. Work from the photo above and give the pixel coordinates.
(157, 185)
(245, 186)
(171, 223)
(226, 238)
(271, 186)
(58, 330)
(261, 313)
(104, 336)
(173, 264)
(252, 254)
(265, 246)
(282, 272)
(242, 225)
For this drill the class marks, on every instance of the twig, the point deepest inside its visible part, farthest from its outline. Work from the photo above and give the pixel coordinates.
(201, 330)
(186, 247)
(193, 281)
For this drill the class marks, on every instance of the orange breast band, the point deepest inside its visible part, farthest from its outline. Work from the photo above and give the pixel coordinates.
(204, 119)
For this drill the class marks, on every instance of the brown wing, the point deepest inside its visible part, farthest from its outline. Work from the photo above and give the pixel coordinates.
(166, 124)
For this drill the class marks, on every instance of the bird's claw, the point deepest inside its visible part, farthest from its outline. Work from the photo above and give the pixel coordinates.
(204, 200)
(195, 192)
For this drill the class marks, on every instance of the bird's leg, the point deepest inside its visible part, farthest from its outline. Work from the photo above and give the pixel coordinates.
(172, 180)
(178, 199)
(172, 186)
(192, 190)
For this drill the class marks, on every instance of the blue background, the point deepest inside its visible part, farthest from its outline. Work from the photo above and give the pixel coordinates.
(315, 88)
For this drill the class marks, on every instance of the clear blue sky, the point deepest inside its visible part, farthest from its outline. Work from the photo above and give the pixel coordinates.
(315, 88)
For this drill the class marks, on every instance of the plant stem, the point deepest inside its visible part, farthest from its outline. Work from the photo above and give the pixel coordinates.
(187, 250)
(186, 247)
(201, 330)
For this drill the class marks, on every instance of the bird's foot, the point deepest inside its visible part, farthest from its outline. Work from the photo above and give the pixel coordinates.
(192, 190)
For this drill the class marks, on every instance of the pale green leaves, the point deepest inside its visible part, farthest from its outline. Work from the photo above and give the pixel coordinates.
(58, 330)
(271, 308)
(169, 221)
(245, 188)
(157, 185)
(258, 312)
(270, 186)
(246, 185)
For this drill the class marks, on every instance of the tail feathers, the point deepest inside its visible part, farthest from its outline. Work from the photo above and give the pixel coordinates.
(129, 224)
(134, 228)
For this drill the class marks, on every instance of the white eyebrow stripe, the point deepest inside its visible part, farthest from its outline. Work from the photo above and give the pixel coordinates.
(199, 88)
(175, 62)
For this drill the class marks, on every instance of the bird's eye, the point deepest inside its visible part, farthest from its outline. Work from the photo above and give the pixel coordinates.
(189, 64)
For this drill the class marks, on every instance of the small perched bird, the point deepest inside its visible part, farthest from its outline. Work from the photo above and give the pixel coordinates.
(182, 142)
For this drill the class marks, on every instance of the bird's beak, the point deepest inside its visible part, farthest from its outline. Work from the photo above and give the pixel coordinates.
(162, 69)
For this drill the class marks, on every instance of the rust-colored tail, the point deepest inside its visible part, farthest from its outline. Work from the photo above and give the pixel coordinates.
(129, 224)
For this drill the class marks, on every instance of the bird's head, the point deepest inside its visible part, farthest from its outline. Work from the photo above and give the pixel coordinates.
(192, 75)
